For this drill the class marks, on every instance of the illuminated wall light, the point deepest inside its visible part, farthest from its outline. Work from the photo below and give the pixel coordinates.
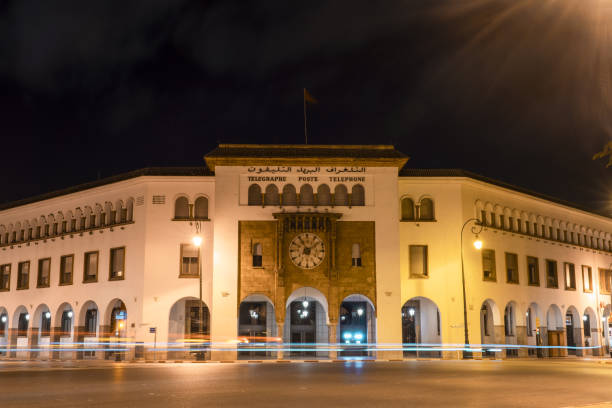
(48, 315)
(411, 312)
(347, 335)
(70, 314)
(478, 243)
(585, 318)
(27, 316)
(3, 319)
(359, 312)
(305, 303)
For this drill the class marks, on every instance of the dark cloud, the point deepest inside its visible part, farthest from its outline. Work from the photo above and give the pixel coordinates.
(516, 89)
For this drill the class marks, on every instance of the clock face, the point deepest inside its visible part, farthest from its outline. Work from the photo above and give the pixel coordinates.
(307, 250)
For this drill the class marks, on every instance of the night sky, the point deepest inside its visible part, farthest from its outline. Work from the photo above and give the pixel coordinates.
(515, 90)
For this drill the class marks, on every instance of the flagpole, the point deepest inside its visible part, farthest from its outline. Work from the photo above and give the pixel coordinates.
(305, 127)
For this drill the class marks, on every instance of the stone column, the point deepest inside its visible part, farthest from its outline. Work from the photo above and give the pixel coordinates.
(54, 339)
(12, 344)
(79, 338)
(332, 326)
(500, 338)
(521, 338)
(280, 325)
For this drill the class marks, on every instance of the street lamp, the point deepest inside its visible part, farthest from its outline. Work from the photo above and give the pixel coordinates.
(476, 229)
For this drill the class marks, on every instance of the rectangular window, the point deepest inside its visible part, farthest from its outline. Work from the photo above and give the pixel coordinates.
(257, 251)
(511, 223)
(418, 260)
(64, 226)
(117, 263)
(46, 230)
(92, 221)
(551, 274)
(5, 277)
(488, 265)
(483, 215)
(512, 268)
(519, 226)
(66, 269)
(565, 236)
(605, 276)
(543, 230)
(570, 276)
(558, 234)
(55, 228)
(587, 278)
(356, 255)
(44, 272)
(533, 271)
(550, 233)
(73, 224)
(90, 267)
(502, 222)
(23, 275)
(572, 237)
(527, 231)
(189, 260)
(82, 226)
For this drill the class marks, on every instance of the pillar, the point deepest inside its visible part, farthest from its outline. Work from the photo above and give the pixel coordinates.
(33, 343)
(332, 327)
(280, 325)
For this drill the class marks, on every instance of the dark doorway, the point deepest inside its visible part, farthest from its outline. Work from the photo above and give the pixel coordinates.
(410, 316)
(303, 328)
(353, 329)
(252, 329)
(569, 330)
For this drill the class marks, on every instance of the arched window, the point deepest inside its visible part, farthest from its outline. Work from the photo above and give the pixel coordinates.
(289, 196)
(254, 194)
(201, 208)
(357, 195)
(407, 209)
(356, 255)
(340, 195)
(181, 208)
(257, 255)
(306, 195)
(323, 195)
(509, 321)
(271, 196)
(426, 209)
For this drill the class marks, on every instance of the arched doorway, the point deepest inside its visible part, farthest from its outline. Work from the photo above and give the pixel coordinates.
(356, 326)
(510, 329)
(489, 322)
(41, 332)
(306, 323)
(421, 328)
(4, 331)
(188, 331)
(64, 331)
(116, 327)
(88, 330)
(533, 321)
(19, 333)
(256, 326)
(590, 332)
(573, 335)
(555, 331)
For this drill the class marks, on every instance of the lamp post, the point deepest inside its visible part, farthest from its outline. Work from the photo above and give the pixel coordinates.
(197, 242)
(476, 229)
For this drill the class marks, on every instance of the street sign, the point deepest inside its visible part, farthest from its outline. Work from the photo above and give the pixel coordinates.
(152, 329)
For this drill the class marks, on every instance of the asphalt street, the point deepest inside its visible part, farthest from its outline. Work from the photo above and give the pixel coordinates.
(349, 384)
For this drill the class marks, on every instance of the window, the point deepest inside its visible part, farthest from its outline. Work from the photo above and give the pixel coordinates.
(512, 268)
(550, 233)
(533, 271)
(543, 231)
(426, 209)
(357, 195)
(45, 324)
(257, 255)
(587, 278)
(356, 255)
(519, 226)
(483, 217)
(289, 195)
(271, 196)
(44, 270)
(502, 222)
(189, 260)
(117, 263)
(418, 260)
(90, 267)
(181, 208)
(66, 269)
(488, 265)
(22, 324)
(570, 276)
(73, 224)
(306, 195)
(91, 321)
(23, 275)
(493, 219)
(3, 324)
(509, 321)
(586, 323)
(323, 195)
(201, 208)
(527, 230)
(551, 274)
(511, 223)
(407, 209)
(340, 195)
(558, 234)
(605, 276)
(254, 194)
(5, 277)
(66, 323)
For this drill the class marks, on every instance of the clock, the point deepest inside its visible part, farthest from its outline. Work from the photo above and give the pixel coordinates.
(307, 250)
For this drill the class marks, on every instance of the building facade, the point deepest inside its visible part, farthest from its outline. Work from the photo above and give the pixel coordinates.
(306, 251)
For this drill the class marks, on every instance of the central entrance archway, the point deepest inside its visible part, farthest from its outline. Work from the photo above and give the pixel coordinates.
(357, 326)
(307, 324)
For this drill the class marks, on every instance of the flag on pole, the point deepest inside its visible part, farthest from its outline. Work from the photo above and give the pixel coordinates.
(308, 97)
